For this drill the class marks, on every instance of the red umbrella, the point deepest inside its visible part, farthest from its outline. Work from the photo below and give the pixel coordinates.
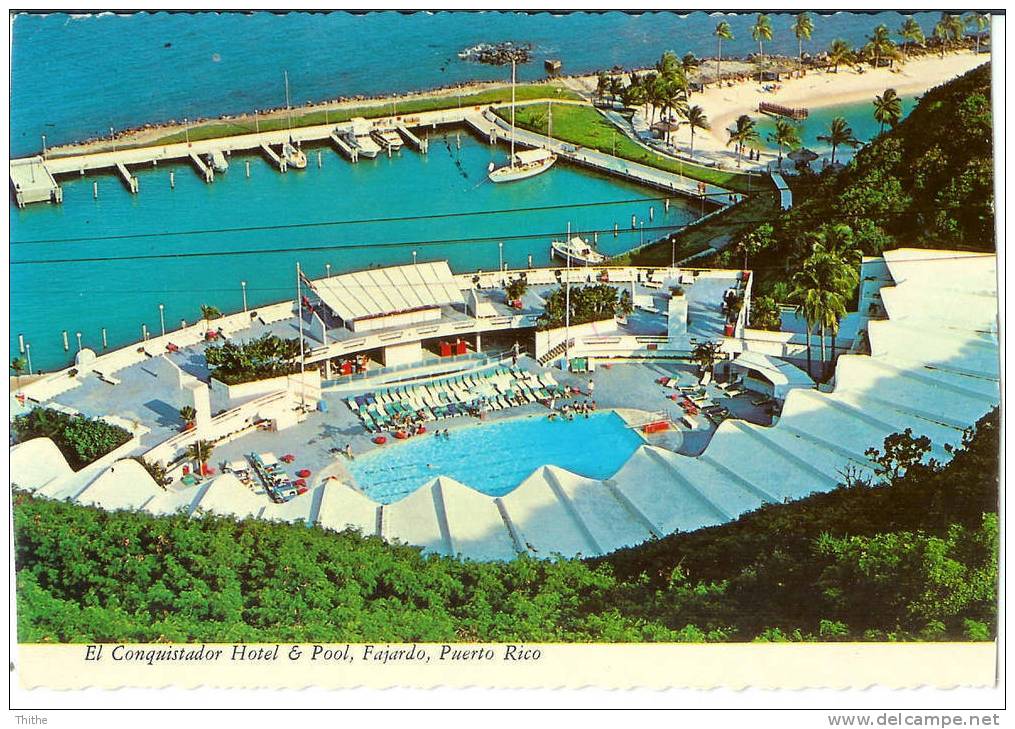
(303, 473)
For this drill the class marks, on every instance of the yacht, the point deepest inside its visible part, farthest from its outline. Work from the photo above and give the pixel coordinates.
(358, 136)
(576, 250)
(218, 161)
(521, 165)
(294, 156)
(388, 139)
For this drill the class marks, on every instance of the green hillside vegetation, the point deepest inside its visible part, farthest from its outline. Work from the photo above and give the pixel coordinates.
(927, 183)
(912, 557)
(81, 440)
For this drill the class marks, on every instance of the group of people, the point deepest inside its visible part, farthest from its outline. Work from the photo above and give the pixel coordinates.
(571, 411)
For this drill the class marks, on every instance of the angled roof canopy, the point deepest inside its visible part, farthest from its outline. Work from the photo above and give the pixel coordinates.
(382, 291)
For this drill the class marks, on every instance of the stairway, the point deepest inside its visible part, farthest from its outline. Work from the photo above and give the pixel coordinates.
(552, 354)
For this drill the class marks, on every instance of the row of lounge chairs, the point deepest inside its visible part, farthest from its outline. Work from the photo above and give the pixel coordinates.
(449, 397)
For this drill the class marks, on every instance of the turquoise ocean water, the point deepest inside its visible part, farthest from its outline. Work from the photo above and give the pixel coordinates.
(75, 77)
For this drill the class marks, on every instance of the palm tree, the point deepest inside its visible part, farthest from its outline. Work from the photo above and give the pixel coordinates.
(818, 294)
(786, 135)
(200, 451)
(602, 86)
(887, 109)
(19, 365)
(880, 44)
(208, 313)
(910, 32)
(979, 21)
(949, 28)
(804, 283)
(743, 132)
(803, 26)
(706, 354)
(188, 414)
(695, 118)
(722, 32)
(839, 133)
(839, 52)
(761, 32)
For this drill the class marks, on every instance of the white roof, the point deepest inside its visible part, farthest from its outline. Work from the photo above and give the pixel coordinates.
(379, 291)
(531, 156)
(775, 370)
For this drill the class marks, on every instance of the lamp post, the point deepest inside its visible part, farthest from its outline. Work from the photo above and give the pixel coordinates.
(500, 254)
(79, 341)
(243, 289)
(112, 139)
(162, 318)
(43, 146)
(414, 258)
(327, 268)
(186, 130)
(28, 356)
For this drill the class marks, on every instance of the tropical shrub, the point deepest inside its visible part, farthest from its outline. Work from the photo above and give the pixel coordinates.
(259, 359)
(81, 440)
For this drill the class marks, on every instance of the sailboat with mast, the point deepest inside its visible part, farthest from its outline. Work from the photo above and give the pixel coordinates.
(524, 164)
(293, 155)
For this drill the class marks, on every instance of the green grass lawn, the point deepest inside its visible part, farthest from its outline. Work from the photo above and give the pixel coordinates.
(214, 129)
(586, 127)
(751, 212)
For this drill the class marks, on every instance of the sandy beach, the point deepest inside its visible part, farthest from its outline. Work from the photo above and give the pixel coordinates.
(822, 88)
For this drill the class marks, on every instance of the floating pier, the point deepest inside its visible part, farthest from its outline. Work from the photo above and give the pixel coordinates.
(33, 182)
(204, 170)
(273, 157)
(422, 145)
(129, 181)
(342, 146)
(796, 114)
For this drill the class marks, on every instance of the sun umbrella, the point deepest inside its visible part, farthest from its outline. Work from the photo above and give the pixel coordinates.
(803, 155)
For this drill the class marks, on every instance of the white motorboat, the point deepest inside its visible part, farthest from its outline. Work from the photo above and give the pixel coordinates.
(294, 156)
(578, 251)
(218, 161)
(358, 136)
(388, 139)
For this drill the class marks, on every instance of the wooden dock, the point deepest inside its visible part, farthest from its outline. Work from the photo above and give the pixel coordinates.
(129, 180)
(794, 113)
(342, 146)
(32, 182)
(273, 157)
(422, 145)
(206, 172)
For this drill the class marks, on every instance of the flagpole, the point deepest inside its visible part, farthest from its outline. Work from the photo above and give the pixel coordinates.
(303, 367)
(567, 300)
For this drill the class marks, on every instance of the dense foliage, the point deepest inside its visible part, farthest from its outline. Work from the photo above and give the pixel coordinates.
(913, 557)
(926, 183)
(81, 440)
(587, 304)
(258, 359)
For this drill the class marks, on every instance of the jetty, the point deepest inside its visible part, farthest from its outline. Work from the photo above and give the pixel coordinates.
(33, 182)
(794, 113)
(273, 157)
(129, 181)
(490, 126)
(422, 145)
(206, 172)
(34, 179)
(342, 146)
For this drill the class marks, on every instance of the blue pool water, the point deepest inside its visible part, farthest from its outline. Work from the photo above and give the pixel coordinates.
(495, 458)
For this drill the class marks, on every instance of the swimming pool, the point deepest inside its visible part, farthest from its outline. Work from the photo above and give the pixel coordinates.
(495, 458)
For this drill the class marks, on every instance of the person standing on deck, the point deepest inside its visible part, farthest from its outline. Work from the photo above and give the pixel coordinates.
(592, 387)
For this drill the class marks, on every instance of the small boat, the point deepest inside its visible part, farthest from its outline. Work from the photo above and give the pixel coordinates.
(218, 161)
(577, 250)
(294, 156)
(388, 139)
(523, 165)
(358, 136)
